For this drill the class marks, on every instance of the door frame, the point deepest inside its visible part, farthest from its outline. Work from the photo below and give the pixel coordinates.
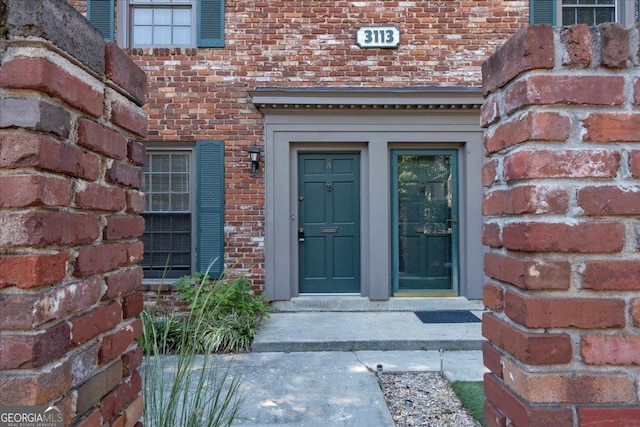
(336, 146)
(358, 275)
(371, 121)
(455, 212)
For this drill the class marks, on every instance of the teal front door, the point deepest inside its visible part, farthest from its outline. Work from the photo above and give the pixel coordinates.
(425, 222)
(329, 223)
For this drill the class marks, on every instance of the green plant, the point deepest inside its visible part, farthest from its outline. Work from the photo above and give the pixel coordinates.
(185, 389)
(221, 298)
(471, 394)
(231, 333)
(163, 333)
(229, 313)
(223, 317)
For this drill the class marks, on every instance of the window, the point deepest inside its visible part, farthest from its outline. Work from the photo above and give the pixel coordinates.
(160, 23)
(168, 220)
(184, 223)
(590, 12)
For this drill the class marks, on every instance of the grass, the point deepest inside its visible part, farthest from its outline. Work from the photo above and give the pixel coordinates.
(471, 393)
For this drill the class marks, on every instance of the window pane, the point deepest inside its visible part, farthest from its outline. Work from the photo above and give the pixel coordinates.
(162, 35)
(161, 16)
(160, 163)
(585, 16)
(162, 223)
(181, 16)
(182, 263)
(160, 203)
(180, 202)
(180, 183)
(181, 223)
(181, 35)
(142, 16)
(159, 184)
(159, 259)
(179, 163)
(568, 16)
(162, 240)
(141, 35)
(181, 242)
(605, 15)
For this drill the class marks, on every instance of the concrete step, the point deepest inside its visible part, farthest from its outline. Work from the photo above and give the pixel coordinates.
(357, 303)
(362, 330)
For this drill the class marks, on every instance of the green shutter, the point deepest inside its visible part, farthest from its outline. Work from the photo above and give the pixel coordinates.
(210, 23)
(210, 207)
(100, 13)
(542, 12)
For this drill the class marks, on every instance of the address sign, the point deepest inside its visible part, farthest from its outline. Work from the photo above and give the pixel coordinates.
(378, 37)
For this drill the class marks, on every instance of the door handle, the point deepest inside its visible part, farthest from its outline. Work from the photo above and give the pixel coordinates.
(300, 234)
(453, 221)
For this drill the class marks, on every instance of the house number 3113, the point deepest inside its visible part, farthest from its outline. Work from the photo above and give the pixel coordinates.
(378, 37)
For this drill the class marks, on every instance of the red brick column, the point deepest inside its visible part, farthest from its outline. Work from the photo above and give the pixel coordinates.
(70, 199)
(561, 207)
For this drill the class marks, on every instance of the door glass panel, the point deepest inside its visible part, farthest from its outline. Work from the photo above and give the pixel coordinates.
(425, 219)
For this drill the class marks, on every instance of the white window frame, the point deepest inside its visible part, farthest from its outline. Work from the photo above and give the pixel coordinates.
(190, 151)
(624, 12)
(124, 22)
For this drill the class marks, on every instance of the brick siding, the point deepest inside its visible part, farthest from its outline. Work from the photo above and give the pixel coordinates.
(202, 94)
(561, 205)
(69, 219)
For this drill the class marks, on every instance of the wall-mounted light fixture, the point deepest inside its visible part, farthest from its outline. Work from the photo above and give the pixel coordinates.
(254, 156)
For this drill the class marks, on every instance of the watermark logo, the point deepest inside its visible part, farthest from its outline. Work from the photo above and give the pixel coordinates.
(31, 416)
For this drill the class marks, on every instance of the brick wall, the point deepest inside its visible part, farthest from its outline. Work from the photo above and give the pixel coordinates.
(201, 94)
(70, 201)
(562, 201)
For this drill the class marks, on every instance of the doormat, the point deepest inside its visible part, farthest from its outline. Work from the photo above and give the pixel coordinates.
(447, 316)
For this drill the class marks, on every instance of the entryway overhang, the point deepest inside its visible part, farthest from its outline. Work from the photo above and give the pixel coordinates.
(371, 123)
(409, 98)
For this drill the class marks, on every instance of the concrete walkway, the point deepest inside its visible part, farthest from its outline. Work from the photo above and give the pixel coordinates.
(317, 368)
(334, 388)
(314, 360)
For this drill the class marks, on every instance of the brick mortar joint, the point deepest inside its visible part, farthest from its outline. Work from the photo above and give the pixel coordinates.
(596, 45)
(47, 45)
(576, 112)
(573, 368)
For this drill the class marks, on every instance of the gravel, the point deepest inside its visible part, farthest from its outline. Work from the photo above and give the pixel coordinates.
(423, 399)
